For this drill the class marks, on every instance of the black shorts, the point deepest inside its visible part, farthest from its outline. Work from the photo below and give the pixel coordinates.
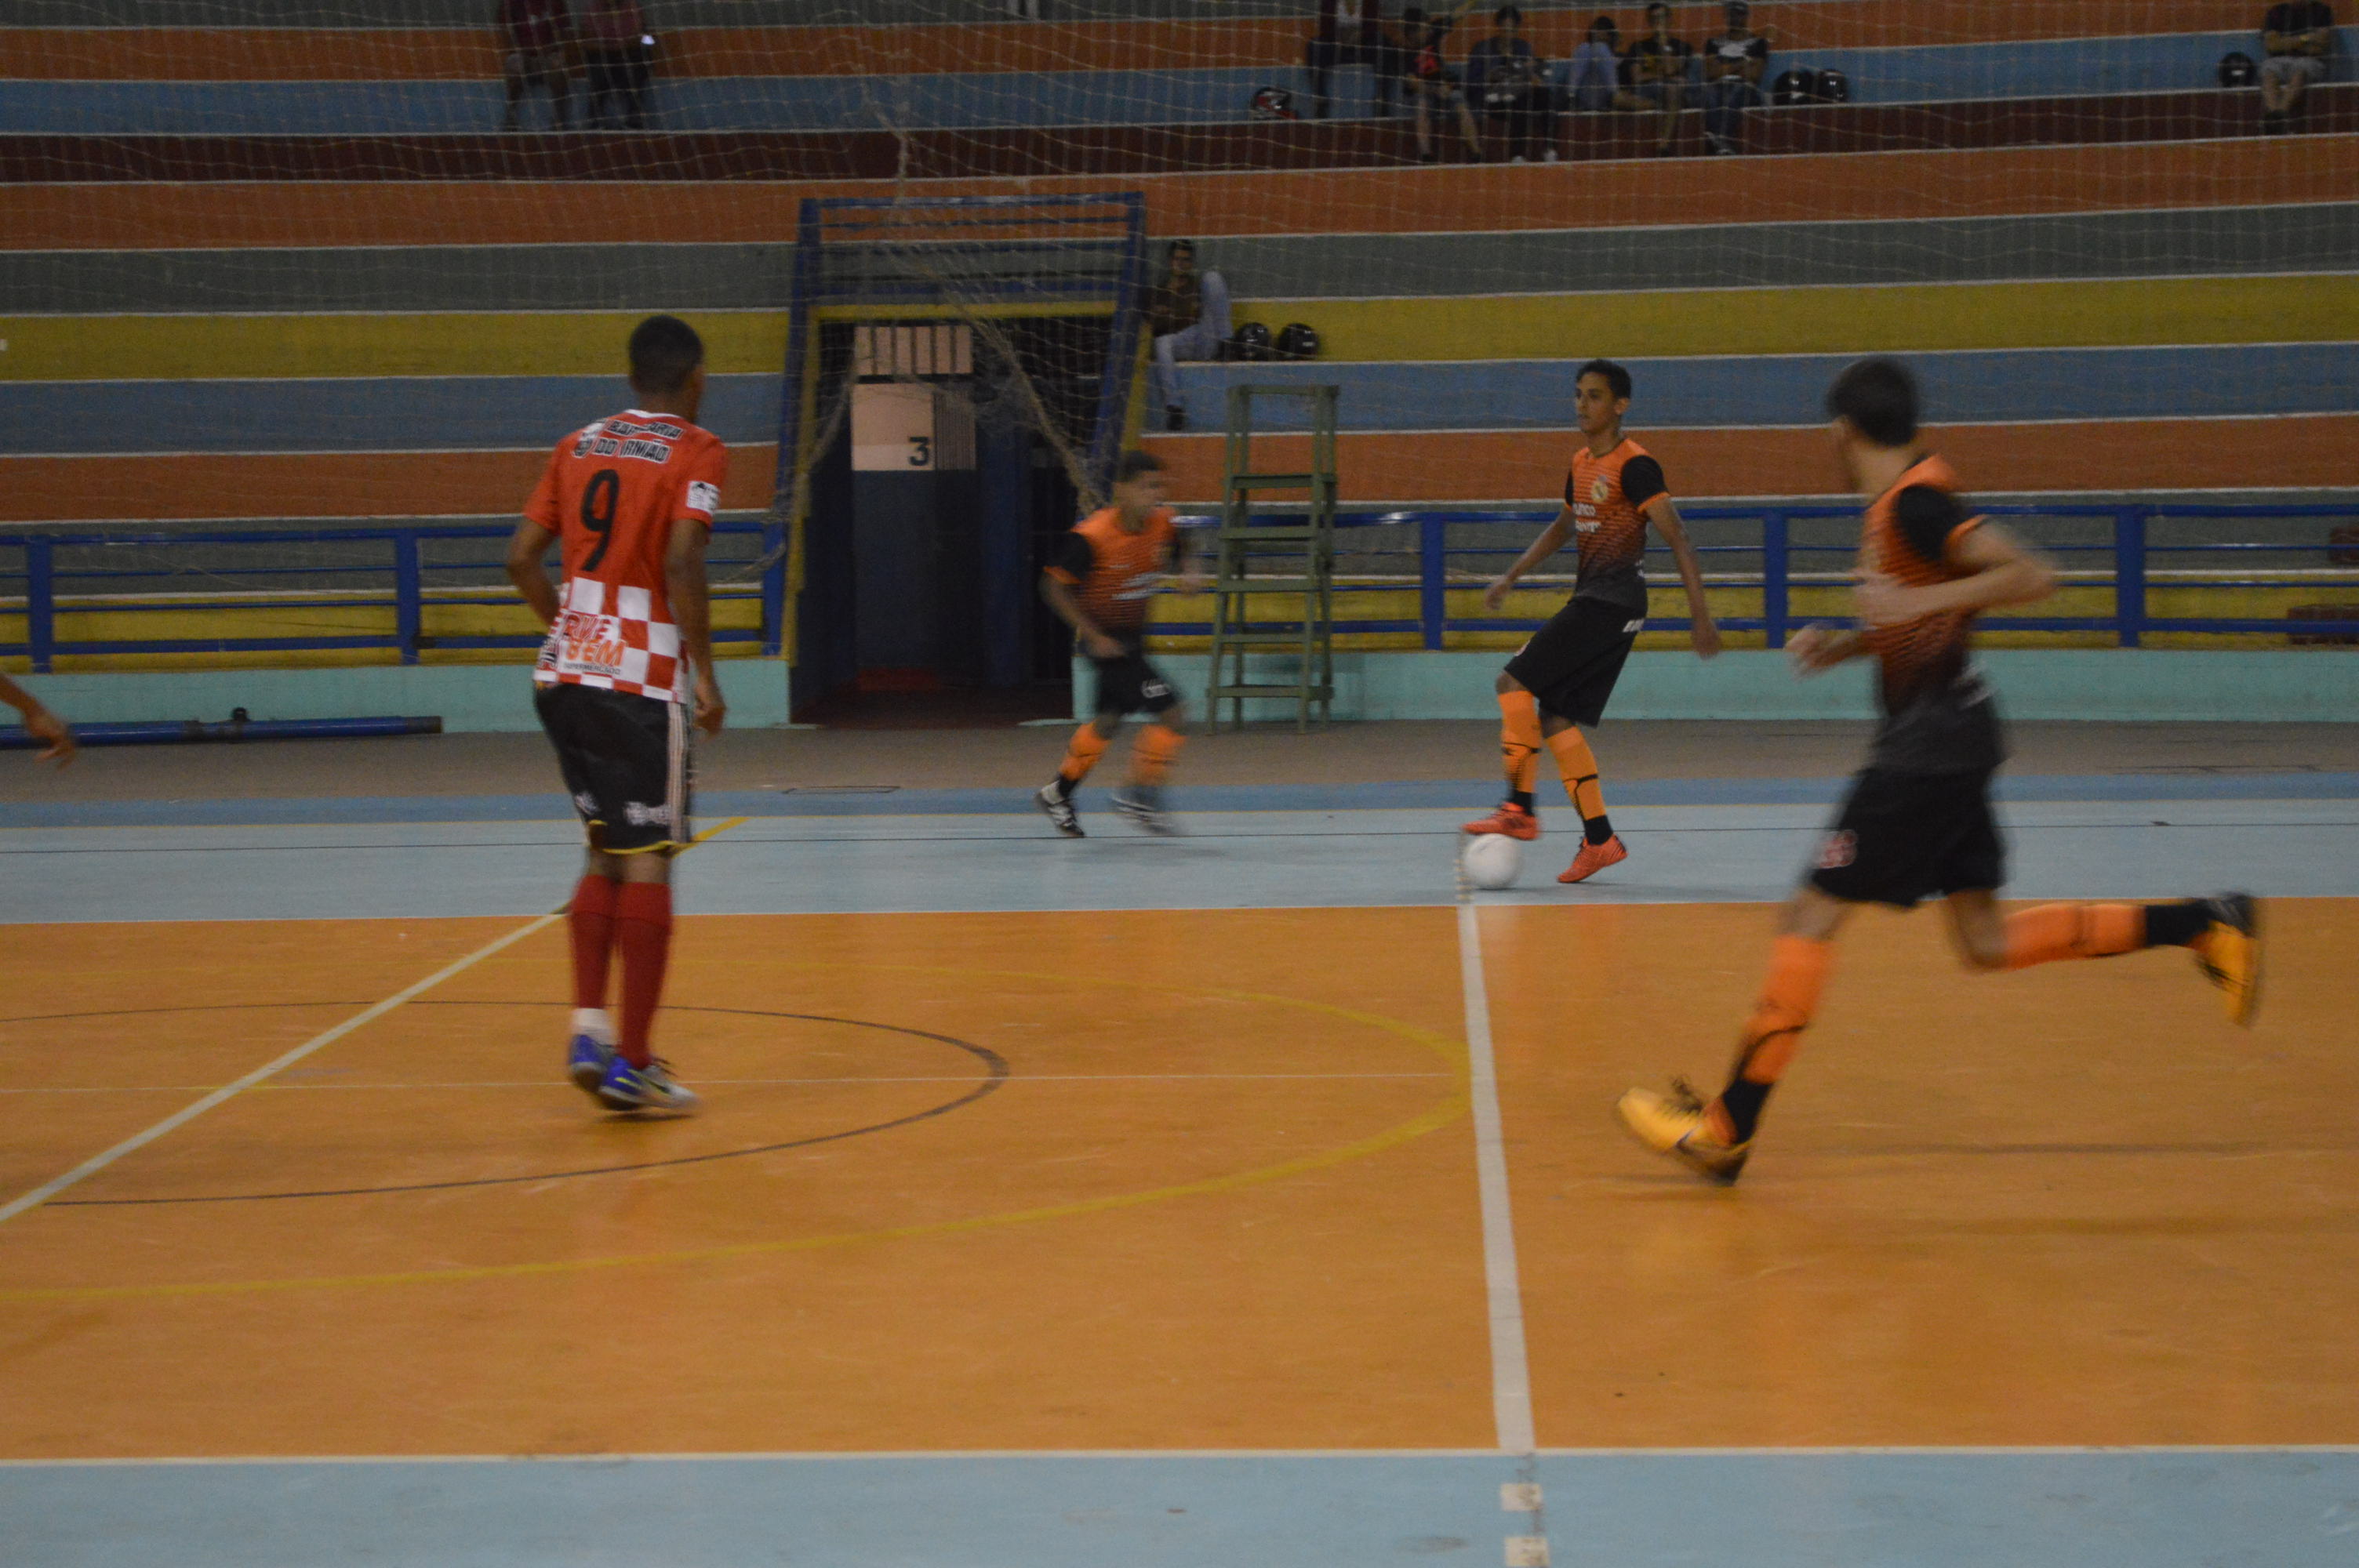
(626, 761)
(1131, 685)
(1570, 663)
(1903, 838)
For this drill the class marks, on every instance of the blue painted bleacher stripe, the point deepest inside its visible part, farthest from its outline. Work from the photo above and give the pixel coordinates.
(474, 413)
(2067, 68)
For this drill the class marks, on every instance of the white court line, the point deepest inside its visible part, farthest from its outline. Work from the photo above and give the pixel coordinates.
(1511, 1377)
(545, 1083)
(189, 1113)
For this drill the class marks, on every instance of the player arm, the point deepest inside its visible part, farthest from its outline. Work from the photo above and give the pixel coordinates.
(1664, 514)
(528, 548)
(2000, 568)
(691, 611)
(1552, 539)
(1057, 594)
(40, 723)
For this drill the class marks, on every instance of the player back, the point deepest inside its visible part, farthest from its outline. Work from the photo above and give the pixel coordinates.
(610, 494)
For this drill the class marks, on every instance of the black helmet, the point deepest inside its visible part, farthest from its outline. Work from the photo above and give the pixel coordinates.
(1833, 86)
(2237, 70)
(1273, 103)
(1793, 87)
(1250, 341)
(1297, 340)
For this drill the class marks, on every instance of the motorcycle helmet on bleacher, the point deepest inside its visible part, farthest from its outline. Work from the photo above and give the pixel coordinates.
(1273, 103)
(1250, 342)
(1796, 86)
(1297, 340)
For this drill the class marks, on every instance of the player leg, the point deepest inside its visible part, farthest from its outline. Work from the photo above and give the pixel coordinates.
(1519, 757)
(1116, 696)
(590, 917)
(2223, 933)
(1577, 766)
(1596, 645)
(644, 807)
(1140, 801)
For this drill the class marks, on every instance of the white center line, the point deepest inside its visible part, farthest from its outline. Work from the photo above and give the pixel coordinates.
(189, 1112)
(1511, 1380)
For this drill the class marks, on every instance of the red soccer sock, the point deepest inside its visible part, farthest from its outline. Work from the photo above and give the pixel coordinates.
(643, 932)
(2056, 931)
(591, 919)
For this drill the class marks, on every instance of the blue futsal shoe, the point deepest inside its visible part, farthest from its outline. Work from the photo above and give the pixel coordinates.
(591, 1051)
(651, 1087)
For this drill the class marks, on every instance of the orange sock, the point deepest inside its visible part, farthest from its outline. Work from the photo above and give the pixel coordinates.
(1578, 763)
(1789, 998)
(1151, 753)
(2057, 931)
(1519, 744)
(1081, 754)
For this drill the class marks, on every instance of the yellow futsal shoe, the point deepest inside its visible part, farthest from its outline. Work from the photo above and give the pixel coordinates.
(2229, 953)
(1674, 1124)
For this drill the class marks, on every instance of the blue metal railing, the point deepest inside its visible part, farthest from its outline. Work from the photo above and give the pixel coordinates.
(2128, 568)
(380, 567)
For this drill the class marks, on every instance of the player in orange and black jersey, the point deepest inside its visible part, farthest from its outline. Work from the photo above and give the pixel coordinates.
(1562, 678)
(628, 661)
(1099, 583)
(1917, 823)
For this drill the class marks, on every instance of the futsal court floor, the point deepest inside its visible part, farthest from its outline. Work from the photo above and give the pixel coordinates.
(1251, 1198)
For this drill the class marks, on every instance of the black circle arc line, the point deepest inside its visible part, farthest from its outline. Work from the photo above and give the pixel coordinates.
(997, 1073)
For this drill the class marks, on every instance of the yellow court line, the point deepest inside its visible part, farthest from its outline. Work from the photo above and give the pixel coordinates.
(1435, 1116)
(1893, 317)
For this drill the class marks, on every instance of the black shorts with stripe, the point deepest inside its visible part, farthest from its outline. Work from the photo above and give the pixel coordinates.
(1131, 682)
(626, 761)
(1570, 663)
(1904, 837)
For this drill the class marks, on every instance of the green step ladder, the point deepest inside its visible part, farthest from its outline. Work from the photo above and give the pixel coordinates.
(1289, 558)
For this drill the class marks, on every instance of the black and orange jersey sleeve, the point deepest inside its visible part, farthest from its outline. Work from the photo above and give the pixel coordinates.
(1073, 561)
(1926, 518)
(1642, 480)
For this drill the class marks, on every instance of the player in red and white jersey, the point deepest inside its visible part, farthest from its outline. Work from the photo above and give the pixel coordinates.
(627, 662)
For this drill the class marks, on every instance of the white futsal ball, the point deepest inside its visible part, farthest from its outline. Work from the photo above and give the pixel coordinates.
(1491, 859)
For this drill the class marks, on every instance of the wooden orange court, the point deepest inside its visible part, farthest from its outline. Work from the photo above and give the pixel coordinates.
(1167, 1179)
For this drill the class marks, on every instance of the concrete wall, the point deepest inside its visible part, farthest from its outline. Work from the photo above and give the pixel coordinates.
(466, 696)
(2092, 684)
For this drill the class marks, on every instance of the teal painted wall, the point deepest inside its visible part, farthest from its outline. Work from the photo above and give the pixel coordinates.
(467, 697)
(2112, 683)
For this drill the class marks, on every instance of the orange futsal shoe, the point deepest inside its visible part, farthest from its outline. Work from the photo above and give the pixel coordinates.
(1594, 859)
(1511, 819)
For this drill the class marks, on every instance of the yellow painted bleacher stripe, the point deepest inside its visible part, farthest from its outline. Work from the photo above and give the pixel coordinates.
(1902, 317)
(1921, 317)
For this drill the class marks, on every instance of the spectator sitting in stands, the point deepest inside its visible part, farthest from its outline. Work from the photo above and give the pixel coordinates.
(1659, 69)
(618, 55)
(1593, 74)
(1434, 86)
(1188, 317)
(1352, 32)
(1734, 64)
(2296, 37)
(1508, 74)
(536, 50)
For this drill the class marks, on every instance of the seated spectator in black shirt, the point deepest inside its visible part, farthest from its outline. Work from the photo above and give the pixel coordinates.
(2296, 37)
(1510, 77)
(1733, 65)
(1660, 68)
(1437, 88)
(1352, 32)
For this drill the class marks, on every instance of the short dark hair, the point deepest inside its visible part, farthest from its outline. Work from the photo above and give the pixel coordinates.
(1879, 397)
(1505, 15)
(1617, 380)
(664, 349)
(1175, 246)
(1133, 463)
(1657, 5)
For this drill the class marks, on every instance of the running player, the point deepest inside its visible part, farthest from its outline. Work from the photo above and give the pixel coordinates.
(630, 646)
(41, 723)
(1562, 678)
(1917, 823)
(1099, 585)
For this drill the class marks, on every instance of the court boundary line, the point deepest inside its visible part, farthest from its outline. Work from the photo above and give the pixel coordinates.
(1927, 1451)
(1511, 1375)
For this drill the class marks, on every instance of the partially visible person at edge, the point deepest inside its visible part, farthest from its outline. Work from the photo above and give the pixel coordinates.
(2296, 40)
(536, 50)
(56, 736)
(618, 58)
